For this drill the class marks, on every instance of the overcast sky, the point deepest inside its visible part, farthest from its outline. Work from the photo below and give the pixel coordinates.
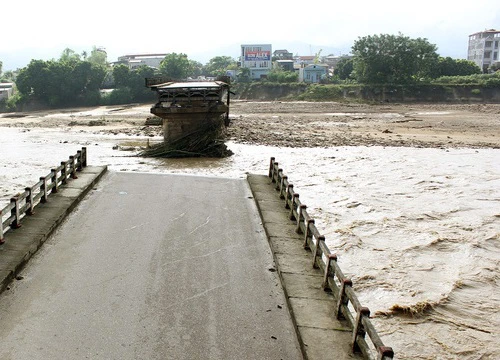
(35, 29)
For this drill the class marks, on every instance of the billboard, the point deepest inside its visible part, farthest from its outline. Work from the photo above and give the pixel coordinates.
(262, 55)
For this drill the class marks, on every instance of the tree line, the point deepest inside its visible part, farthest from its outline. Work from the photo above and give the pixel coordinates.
(78, 79)
(399, 60)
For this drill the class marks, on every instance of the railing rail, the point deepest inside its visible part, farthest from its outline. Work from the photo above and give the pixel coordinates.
(24, 203)
(334, 279)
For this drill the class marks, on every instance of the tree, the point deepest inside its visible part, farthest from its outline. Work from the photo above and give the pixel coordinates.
(494, 67)
(196, 68)
(68, 81)
(1, 65)
(121, 75)
(344, 68)
(140, 91)
(455, 67)
(31, 79)
(244, 75)
(176, 66)
(393, 59)
(218, 65)
(130, 83)
(9, 76)
(279, 75)
(98, 56)
(69, 55)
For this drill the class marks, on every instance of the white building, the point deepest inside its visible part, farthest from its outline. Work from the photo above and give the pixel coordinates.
(6, 90)
(313, 73)
(257, 58)
(484, 48)
(134, 61)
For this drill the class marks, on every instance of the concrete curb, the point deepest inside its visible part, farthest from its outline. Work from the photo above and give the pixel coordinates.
(321, 335)
(21, 244)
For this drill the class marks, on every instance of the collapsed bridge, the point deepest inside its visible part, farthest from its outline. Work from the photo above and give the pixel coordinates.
(194, 116)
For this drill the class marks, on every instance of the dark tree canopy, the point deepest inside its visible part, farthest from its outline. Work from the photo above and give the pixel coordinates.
(393, 59)
(98, 57)
(196, 68)
(455, 67)
(218, 65)
(68, 81)
(176, 66)
(279, 75)
(344, 68)
(130, 83)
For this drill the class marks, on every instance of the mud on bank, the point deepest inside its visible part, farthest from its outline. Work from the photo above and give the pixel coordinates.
(303, 124)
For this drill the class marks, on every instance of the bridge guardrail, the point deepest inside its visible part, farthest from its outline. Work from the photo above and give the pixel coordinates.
(348, 306)
(24, 203)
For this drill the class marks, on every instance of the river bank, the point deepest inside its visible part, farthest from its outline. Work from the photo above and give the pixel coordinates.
(302, 124)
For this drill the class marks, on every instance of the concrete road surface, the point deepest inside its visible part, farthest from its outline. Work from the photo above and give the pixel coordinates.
(152, 267)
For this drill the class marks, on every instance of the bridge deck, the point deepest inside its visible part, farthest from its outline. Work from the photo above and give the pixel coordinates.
(164, 267)
(151, 267)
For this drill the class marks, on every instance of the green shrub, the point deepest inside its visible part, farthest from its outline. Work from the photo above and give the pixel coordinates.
(322, 93)
(117, 97)
(482, 80)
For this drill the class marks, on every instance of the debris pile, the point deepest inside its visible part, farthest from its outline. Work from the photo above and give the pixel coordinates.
(206, 141)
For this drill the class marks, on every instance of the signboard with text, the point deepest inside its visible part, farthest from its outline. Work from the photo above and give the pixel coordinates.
(257, 55)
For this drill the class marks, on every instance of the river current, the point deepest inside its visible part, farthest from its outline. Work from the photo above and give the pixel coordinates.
(417, 229)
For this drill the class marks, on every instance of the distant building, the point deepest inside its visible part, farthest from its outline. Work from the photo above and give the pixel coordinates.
(136, 60)
(484, 48)
(256, 58)
(282, 55)
(6, 90)
(332, 60)
(313, 73)
(302, 61)
(286, 65)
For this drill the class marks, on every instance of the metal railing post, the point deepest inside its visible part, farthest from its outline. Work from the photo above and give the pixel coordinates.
(30, 210)
(295, 197)
(1, 228)
(329, 272)
(84, 156)
(317, 251)
(385, 353)
(16, 213)
(359, 329)
(300, 218)
(64, 172)
(343, 299)
(282, 186)
(53, 177)
(278, 179)
(308, 234)
(79, 166)
(44, 189)
(271, 165)
(73, 167)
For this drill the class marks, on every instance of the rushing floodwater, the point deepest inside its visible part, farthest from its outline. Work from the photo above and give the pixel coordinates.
(414, 228)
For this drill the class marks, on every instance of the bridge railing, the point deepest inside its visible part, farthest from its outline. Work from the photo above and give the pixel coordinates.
(348, 306)
(24, 203)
